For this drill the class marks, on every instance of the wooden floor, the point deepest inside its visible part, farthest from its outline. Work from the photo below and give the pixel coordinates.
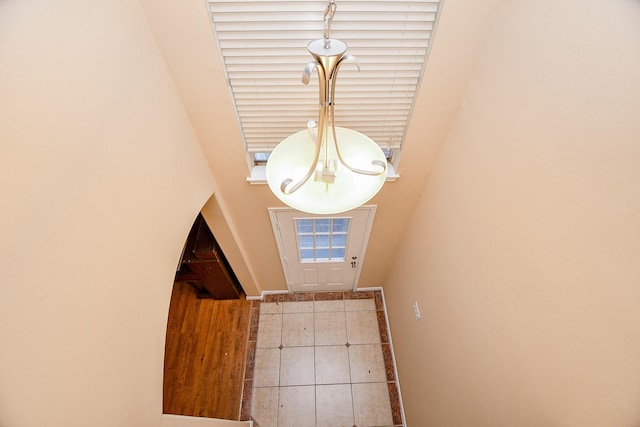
(205, 355)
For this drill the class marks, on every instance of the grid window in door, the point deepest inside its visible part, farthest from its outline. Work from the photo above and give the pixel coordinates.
(322, 239)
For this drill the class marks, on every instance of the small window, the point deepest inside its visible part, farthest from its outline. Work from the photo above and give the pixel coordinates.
(322, 239)
(261, 157)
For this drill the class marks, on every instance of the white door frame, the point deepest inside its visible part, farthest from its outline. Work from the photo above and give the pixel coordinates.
(370, 209)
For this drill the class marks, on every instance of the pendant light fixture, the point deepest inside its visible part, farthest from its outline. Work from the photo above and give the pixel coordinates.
(326, 169)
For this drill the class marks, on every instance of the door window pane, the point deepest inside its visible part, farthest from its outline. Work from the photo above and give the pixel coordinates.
(322, 239)
(305, 241)
(304, 225)
(307, 254)
(340, 225)
(338, 240)
(323, 225)
(322, 254)
(337, 253)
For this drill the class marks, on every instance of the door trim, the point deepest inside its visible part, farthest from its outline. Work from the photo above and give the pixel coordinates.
(371, 211)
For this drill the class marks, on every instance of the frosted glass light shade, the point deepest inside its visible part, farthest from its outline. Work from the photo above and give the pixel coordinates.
(294, 155)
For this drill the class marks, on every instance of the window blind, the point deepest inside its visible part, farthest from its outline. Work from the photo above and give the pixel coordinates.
(264, 48)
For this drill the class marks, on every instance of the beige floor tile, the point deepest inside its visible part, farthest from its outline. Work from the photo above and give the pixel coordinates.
(297, 329)
(330, 328)
(366, 364)
(362, 327)
(270, 308)
(332, 365)
(371, 405)
(297, 366)
(334, 407)
(359, 305)
(264, 408)
(297, 407)
(269, 330)
(297, 307)
(322, 306)
(267, 367)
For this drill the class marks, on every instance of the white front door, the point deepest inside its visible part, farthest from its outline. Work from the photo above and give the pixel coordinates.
(322, 252)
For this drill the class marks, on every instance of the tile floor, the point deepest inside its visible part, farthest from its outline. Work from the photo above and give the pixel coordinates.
(320, 359)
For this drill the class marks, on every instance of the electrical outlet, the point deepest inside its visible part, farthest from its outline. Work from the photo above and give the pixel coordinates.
(416, 310)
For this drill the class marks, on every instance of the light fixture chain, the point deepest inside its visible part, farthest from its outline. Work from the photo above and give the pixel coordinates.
(328, 18)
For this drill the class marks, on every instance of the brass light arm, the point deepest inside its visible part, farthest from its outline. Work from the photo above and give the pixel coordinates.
(287, 186)
(383, 165)
(348, 58)
(322, 78)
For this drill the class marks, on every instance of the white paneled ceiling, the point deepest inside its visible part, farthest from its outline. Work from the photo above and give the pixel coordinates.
(264, 47)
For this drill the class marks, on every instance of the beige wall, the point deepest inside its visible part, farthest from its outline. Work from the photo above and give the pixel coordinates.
(523, 252)
(218, 220)
(101, 177)
(524, 249)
